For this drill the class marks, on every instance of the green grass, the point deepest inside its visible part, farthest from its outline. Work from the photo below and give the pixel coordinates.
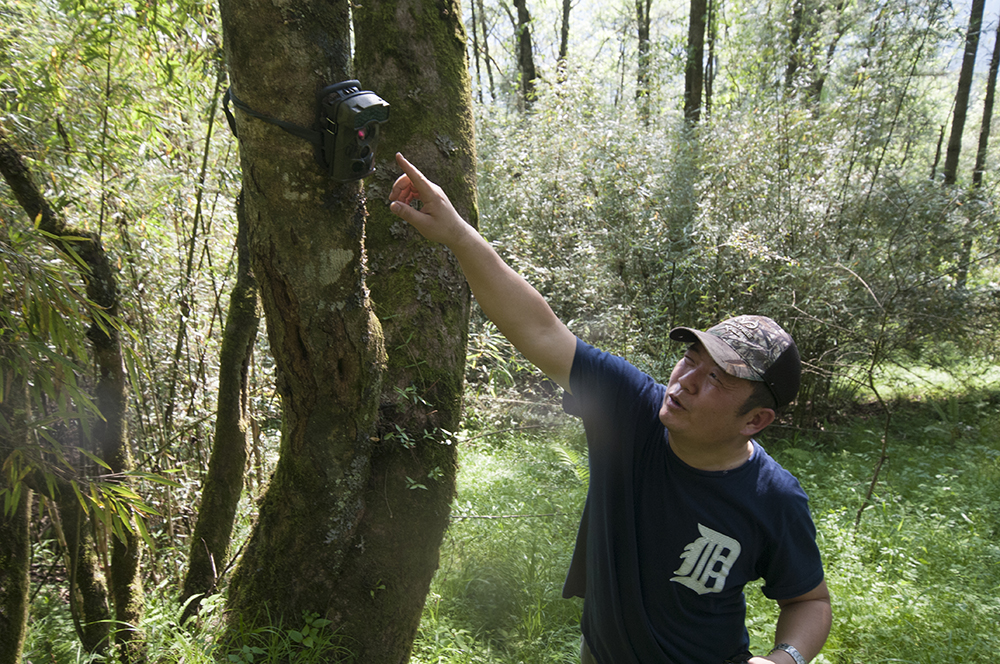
(497, 595)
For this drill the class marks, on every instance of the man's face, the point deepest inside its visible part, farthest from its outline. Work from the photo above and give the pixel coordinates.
(702, 401)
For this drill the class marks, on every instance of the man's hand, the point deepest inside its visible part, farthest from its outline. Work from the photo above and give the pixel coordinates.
(436, 218)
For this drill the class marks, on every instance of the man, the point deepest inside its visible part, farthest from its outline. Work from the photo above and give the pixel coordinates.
(684, 507)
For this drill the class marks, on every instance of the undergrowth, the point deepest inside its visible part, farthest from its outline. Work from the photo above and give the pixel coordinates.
(917, 581)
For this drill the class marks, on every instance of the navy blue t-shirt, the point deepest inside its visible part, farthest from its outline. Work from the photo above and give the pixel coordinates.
(664, 549)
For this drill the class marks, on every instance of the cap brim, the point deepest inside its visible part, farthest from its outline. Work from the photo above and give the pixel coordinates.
(721, 352)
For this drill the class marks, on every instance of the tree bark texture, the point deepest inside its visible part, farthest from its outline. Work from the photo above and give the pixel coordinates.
(988, 101)
(224, 481)
(971, 233)
(88, 587)
(15, 545)
(567, 5)
(109, 432)
(962, 93)
(694, 71)
(525, 53)
(306, 239)
(412, 52)
(642, 18)
(15, 562)
(486, 46)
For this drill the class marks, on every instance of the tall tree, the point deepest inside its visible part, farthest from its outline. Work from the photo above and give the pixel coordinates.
(224, 482)
(527, 74)
(15, 562)
(961, 278)
(694, 70)
(988, 101)
(311, 549)
(567, 5)
(711, 57)
(642, 9)
(475, 50)
(962, 94)
(486, 46)
(15, 541)
(402, 46)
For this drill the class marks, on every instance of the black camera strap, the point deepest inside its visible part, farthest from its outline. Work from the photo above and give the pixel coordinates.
(314, 137)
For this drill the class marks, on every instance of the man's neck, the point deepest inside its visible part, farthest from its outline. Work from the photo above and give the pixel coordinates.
(723, 457)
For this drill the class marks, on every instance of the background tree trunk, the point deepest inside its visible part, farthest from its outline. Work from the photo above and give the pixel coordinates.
(475, 50)
(988, 101)
(486, 46)
(15, 561)
(88, 587)
(642, 9)
(224, 481)
(306, 235)
(567, 5)
(710, 57)
(15, 544)
(962, 277)
(525, 53)
(406, 45)
(694, 70)
(962, 94)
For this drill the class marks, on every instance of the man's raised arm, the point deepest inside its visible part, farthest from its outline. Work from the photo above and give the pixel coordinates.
(518, 310)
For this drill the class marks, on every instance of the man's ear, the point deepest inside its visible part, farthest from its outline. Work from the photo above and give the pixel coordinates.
(756, 420)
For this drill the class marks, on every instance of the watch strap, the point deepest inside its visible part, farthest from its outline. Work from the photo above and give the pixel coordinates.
(791, 650)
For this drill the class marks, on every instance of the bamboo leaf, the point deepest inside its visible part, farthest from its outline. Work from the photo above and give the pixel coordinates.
(96, 459)
(79, 497)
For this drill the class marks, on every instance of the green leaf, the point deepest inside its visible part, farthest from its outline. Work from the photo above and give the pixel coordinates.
(96, 459)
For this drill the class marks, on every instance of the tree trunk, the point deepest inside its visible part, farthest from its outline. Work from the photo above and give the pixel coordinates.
(486, 46)
(224, 482)
(642, 10)
(710, 58)
(109, 432)
(422, 300)
(567, 5)
(475, 50)
(15, 562)
(525, 54)
(984, 130)
(306, 238)
(15, 544)
(694, 70)
(88, 587)
(962, 277)
(815, 89)
(962, 95)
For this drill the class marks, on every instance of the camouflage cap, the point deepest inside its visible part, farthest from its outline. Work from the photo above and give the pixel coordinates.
(752, 347)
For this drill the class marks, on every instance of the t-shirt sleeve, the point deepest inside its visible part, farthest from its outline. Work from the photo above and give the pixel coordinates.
(792, 565)
(599, 380)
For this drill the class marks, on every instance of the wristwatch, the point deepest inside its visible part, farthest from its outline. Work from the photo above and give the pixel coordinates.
(791, 650)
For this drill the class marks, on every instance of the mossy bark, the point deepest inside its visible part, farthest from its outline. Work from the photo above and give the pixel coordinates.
(224, 482)
(15, 546)
(15, 561)
(413, 54)
(306, 238)
(88, 588)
